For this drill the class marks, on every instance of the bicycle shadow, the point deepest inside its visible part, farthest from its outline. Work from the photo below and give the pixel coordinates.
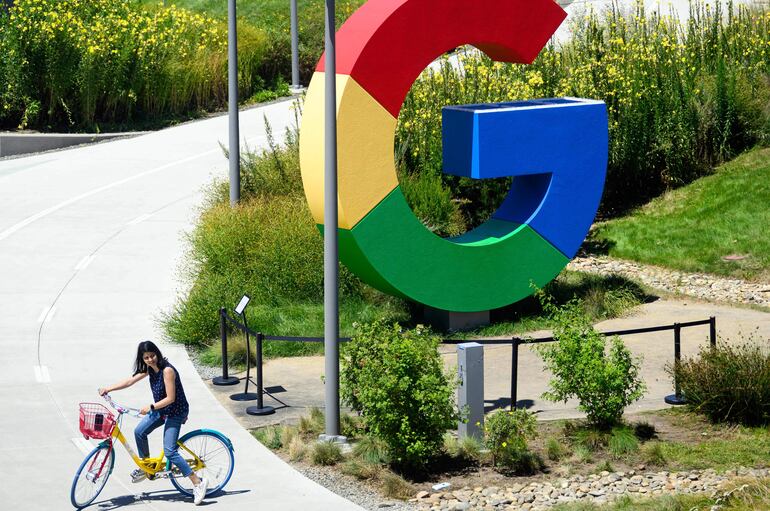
(156, 496)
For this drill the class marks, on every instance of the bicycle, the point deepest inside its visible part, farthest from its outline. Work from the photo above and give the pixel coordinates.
(208, 452)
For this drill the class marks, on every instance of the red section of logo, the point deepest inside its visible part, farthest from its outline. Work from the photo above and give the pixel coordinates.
(386, 44)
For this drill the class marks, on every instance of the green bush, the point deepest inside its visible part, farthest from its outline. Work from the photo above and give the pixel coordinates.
(604, 381)
(396, 379)
(326, 453)
(506, 434)
(728, 383)
(77, 64)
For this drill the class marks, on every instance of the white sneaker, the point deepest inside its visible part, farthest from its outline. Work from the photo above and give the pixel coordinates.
(200, 491)
(138, 475)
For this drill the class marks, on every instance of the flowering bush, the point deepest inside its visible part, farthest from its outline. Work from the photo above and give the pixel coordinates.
(506, 434)
(680, 98)
(77, 63)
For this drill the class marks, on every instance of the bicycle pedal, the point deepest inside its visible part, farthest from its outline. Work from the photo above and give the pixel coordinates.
(163, 474)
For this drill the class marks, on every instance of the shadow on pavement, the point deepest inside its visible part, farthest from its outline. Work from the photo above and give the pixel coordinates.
(505, 402)
(156, 496)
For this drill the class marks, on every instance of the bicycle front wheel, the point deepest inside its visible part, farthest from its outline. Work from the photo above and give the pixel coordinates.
(215, 460)
(92, 475)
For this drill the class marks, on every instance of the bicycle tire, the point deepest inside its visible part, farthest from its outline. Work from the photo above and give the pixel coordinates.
(216, 452)
(81, 485)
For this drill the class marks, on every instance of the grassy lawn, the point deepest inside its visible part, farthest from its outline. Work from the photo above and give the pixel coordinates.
(694, 227)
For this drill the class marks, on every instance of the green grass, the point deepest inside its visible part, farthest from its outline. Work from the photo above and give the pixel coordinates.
(692, 228)
(602, 297)
(747, 447)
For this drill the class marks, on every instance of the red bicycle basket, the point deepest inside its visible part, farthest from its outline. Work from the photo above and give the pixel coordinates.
(96, 421)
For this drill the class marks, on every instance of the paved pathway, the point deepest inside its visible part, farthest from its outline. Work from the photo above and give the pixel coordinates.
(90, 241)
(300, 376)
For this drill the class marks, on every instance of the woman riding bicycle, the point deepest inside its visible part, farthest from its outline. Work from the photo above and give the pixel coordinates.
(169, 407)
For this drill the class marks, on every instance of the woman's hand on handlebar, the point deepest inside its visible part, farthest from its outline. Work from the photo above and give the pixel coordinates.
(102, 391)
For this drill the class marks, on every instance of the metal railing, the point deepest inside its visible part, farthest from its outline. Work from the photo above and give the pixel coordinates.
(515, 343)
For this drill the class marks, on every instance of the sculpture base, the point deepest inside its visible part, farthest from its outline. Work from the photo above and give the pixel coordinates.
(244, 396)
(673, 399)
(255, 410)
(452, 321)
(221, 380)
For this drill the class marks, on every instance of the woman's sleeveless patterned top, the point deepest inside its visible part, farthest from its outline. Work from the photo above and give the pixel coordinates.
(180, 407)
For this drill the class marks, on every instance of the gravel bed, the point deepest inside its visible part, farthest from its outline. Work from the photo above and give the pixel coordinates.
(356, 491)
(698, 285)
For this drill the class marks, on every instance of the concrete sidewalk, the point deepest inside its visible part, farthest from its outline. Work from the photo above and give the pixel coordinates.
(90, 245)
(301, 377)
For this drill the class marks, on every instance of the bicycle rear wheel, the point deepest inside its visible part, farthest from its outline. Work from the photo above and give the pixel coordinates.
(92, 475)
(215, 452)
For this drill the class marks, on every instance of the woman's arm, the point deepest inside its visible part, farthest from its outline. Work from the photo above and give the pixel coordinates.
(122, 385)
(169, 380)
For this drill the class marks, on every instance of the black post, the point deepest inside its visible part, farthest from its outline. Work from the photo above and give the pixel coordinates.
(245, 395)
(676, 398)
(514, 371)
(225, 379)
(260, 409)
(713, 332)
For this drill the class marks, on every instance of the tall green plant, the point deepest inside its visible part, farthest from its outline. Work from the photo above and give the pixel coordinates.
(681, 97)
(396, 379)
(604, 379)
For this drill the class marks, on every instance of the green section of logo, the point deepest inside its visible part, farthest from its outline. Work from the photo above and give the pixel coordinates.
(391, 250)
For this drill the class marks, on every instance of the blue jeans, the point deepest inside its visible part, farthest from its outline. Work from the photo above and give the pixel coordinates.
(150, 423)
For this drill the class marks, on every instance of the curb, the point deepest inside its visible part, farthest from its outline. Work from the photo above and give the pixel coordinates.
(13, 144)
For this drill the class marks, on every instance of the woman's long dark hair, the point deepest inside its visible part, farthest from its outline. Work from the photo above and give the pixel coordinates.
(145, 347)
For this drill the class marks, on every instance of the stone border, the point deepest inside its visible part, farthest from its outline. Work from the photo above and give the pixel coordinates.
(595, 488)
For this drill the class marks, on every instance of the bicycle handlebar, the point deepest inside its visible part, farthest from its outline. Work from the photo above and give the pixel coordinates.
(135, 412)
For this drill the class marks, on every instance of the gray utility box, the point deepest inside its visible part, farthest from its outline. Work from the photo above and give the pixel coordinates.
(470, 393)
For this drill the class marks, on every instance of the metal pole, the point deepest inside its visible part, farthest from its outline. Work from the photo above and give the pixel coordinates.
(676, 398)
(331, 256)
(260, 409)
(713, 332)
(245, 395)
(294, 48)
(225, 379)
(232, 103)
(514, 371)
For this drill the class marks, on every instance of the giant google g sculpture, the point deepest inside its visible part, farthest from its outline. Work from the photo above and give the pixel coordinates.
(556, 149)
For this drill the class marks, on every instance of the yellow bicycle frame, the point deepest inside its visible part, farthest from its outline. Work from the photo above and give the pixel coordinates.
(152, 466)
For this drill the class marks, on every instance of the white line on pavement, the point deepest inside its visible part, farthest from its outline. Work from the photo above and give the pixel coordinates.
(83, 444)
(37, 216)
(42, 375)
(139, 219)
(84, 263)
(47, 314)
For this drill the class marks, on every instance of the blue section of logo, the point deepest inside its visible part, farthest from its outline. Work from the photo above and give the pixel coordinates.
(556, 151)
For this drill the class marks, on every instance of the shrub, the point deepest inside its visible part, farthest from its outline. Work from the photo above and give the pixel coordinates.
(371, 450)
(652, 454)
(313, 424)
(622, 442)
(396, 379)
(554, 449)
(603, 382)
(297, 449)
(468, 448)
(506, 434)
(395, 487)
(270, 437)
(361, 469)
(728, 383)
(325, 453)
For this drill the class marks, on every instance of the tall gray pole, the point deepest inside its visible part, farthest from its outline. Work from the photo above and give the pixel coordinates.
(232, 103)
(294, 48)
(331, 304)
